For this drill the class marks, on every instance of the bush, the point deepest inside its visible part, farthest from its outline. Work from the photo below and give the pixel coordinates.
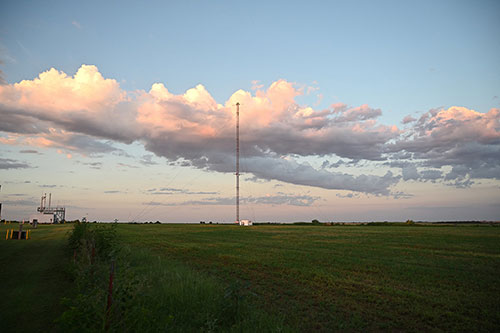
(92, 241)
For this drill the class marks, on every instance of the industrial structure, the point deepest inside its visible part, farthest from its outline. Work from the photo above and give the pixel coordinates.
(237, 163)
(48, 214)
(240, 222)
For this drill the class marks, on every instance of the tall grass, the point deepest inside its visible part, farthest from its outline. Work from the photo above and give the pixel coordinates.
(150, 293)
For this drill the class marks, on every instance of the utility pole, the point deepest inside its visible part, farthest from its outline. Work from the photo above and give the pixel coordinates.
(238, 163)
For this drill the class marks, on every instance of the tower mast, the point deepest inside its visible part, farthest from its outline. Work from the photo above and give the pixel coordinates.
(238, 163)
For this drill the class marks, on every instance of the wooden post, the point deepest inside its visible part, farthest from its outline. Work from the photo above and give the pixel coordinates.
(110, 294)
(93, 254)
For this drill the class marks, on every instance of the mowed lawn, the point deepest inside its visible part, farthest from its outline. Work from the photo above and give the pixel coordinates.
(33, 278)
(408, 278)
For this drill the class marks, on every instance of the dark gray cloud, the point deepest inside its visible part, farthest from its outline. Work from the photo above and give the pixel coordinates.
(13, 122)
(7, 163)
(348, 195)
(94, 165)
(290, 171)
(29, 151)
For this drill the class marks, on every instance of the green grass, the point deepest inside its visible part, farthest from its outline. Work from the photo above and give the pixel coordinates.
(33, 278)
(325, 278)
(408, 278)
(151, 293)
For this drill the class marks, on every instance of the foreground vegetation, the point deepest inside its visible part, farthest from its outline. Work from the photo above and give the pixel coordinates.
(261, 278)
(149, 293)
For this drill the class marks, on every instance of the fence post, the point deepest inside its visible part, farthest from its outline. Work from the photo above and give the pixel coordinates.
(110, 293)
(93, 254)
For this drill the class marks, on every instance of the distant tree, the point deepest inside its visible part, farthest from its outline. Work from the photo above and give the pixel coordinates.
(315, 221)
(409, 222)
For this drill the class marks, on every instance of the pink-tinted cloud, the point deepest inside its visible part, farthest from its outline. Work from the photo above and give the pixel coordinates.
(85, 103)
(465, 139)
(86, 113)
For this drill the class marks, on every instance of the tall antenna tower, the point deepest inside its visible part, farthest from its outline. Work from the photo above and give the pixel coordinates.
(238, 163)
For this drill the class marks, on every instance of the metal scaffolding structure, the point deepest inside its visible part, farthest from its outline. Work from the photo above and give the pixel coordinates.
(59, 213)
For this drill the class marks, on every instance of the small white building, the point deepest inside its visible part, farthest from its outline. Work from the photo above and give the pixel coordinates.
(245, 222)
(42, 218)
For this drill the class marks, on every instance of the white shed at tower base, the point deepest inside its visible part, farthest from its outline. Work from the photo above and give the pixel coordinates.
(245, 222)
(42, 218)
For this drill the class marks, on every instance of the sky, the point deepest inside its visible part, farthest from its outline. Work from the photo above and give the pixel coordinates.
(350, 110)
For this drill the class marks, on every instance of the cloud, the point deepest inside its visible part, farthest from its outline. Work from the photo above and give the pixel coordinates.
(7, 163)
(464, 139)
(170, 191)
(348, 195)
(2, 75)
(408, 119)
(363, 112)
(274, 200)
(85, 103)
(76, 24)
(282, 199)
(93, 165)
(22, 202)
(290, 171)
(147, 160)
(87, 113)
(128, 166)
(29, 151)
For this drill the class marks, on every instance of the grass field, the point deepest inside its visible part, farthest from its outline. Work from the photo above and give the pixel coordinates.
(408, 278)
